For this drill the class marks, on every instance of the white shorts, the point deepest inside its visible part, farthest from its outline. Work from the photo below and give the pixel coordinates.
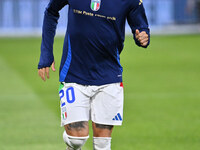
(101, 104)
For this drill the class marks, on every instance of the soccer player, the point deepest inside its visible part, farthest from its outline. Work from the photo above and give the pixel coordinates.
(90, 72)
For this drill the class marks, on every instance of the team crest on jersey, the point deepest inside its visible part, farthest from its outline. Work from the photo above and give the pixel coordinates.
(95, 5)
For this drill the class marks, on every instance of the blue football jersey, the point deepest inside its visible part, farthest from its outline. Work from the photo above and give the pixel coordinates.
(94, 38)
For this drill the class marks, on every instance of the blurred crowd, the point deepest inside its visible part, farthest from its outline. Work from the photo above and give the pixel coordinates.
(193, 5)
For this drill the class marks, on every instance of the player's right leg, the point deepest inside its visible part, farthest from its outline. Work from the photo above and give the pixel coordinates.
(76, 134)
(75, 106)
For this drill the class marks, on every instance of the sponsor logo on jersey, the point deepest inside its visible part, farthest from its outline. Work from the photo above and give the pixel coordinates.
(95, 5)
(118, 117)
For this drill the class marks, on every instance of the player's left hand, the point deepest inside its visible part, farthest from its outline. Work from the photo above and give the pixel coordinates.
(142, 37)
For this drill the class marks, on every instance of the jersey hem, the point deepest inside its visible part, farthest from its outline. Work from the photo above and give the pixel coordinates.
(97, 83)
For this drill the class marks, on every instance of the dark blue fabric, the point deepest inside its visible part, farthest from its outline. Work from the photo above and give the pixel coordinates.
(96, 38)
(50, 22)
(137, 20)
(64, 71)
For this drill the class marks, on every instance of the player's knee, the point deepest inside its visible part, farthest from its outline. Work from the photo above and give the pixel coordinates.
(101, 130)
(73, 142)
(102, 143)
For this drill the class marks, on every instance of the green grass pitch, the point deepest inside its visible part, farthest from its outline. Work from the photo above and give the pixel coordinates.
(162, 96)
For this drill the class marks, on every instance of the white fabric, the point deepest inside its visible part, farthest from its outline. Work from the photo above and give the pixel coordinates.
(74, 143)
(101, 104)
(101, 143)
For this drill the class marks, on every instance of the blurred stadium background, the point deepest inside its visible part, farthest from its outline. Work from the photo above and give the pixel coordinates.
(24, 17)
(162, 83)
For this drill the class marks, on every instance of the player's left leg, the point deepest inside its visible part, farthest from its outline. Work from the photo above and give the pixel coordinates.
(100, 130)
(102, 136)
(106, 111)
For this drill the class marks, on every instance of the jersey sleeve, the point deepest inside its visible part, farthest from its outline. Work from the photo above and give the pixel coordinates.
(137, 20)
(50, 21)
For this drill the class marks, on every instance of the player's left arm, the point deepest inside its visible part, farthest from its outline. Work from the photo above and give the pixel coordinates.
(139, 24)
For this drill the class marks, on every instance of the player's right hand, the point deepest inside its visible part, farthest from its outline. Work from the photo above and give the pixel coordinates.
(44, 72)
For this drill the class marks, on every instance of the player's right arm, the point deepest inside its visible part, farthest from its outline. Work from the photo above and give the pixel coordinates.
(50, 22)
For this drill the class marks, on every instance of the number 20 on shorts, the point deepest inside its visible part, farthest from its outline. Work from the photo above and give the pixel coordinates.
(70, 96)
